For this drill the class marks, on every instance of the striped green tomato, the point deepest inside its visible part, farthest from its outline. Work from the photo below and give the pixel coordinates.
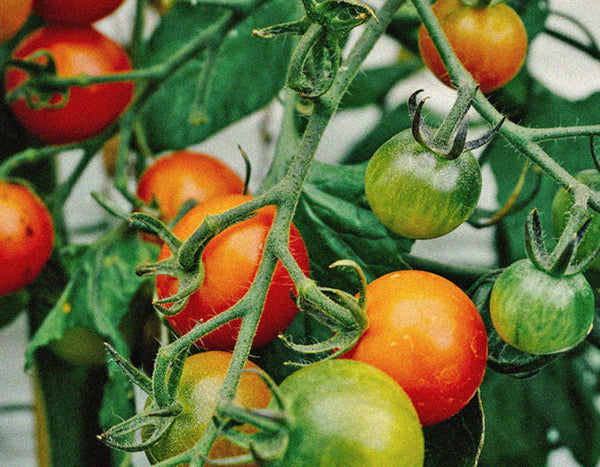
(540, 313)
(417, 193)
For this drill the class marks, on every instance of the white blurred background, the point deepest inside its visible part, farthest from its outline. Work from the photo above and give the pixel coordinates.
(561, 68)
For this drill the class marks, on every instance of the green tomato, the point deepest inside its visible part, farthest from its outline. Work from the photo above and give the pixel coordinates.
(540, 313)
(417, 193)
(348, 413)
(563, 201)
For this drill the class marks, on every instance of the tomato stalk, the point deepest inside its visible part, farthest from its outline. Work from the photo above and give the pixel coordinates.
(525, 140)
(285, 195)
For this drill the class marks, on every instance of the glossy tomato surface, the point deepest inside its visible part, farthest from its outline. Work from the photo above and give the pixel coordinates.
(26, 236)
(418, 194)
(200, 382)
(231, 260)
(490, 42)
(89, 110)
(348, 413)
(75, 12)
(539, 313)
(180, 176)
(13, 14)
(425, 333)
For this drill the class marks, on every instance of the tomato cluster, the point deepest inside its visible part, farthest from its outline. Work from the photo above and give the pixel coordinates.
(76, 48)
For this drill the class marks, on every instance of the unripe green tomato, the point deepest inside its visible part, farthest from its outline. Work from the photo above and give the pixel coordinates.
(349, 413)
(417, 193)
(563, 201)
(539, 313)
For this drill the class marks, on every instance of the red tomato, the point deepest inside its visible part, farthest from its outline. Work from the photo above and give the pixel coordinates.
(26, 236)
(490, 42)
(74, 12)
(185, 175)
(13, 14)
(425, 333)
(89, 110)
(231, 260)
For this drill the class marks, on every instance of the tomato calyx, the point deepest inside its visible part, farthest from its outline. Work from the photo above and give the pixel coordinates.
(322, 28)
(43, 88)
(450, 139)
(344, 314)
(185, 262)
(157, 417)
(562, 261)
(274, 425)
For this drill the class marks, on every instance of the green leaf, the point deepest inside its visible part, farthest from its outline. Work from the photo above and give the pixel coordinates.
(456, 442)
(11, 306)
(102, 283)
(248, 74)
(371, 85)
(336, 223)
(528, 418)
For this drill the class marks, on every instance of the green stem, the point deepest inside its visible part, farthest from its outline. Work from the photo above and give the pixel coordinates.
(459, 109)
(285, 194)
(523, 139)
(137, 39)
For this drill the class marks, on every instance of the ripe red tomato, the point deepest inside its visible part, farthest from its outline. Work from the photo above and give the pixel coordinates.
(89, 110)
(26, 236)
(490, 42)
(74, 12)
(231, 260)
(185, 175)
(425, 333)
(200, 382)
(13, 14)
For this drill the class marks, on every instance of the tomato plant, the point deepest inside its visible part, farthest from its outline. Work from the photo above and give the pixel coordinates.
(561, 204)
(201, 379)
(425, 333)
(349, 413)
(74, 12)
(181, 176)
(231, 260)
(26, 236)
(417, 193)
(539, 313)
(479, 36)
(85, 111)
(13, 14)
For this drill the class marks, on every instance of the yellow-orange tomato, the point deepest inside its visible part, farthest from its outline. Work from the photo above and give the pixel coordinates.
(490, 42)
(180, 176)
(200, 382)
(13, 14)
(231, 260)
(426, 333)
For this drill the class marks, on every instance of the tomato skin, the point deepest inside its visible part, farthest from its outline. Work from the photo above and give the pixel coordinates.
(231, 260)
(13, 14)
(561, 204)
(479, 36)
(175, 178)
(425, 333)
(201, 379)
(26, 236)
(74, 12)
(89, 110)
(417, 193)
(539, 313)
(352, 414)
